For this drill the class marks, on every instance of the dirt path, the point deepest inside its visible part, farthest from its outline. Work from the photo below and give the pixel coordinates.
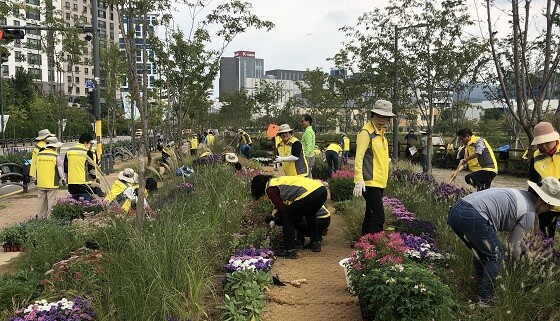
(325, 297)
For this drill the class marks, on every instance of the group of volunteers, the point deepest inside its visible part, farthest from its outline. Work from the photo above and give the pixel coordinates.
(78, 170)
(477, 217)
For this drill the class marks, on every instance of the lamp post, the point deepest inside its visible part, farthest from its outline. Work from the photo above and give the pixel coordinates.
(2, 105)
(395, 155)
(96, 73)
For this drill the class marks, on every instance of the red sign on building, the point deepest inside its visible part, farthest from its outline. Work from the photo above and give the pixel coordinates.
(250, 54)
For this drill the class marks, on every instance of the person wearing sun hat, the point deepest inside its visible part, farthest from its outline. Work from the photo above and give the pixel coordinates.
(371, 165)
(50, 174)
(40, 142)
(290, 153)
(477, 217)
(546, 162)
(126, 179)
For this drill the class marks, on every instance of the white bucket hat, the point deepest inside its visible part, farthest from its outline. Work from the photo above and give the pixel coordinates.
(544, 132)
(284, 128)
(43, 133)
(548, 190)
(231, 158)
(128, 175)
(383, 108)
(53, 142)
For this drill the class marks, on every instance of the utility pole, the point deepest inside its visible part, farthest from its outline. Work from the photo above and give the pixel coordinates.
(2, 104)
(96, 82)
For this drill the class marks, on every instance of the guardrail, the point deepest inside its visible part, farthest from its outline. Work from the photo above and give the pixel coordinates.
(14, 174)
(12, 142)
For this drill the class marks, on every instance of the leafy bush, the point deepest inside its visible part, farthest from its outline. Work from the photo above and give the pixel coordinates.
(14, 235)
(320, 169)
(245, 298)
(68, 208)
(403, 292)
(342, 185)
(16, 156)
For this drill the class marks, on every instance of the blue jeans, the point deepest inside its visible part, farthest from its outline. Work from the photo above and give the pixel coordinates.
(245, 150)
(424, 163)
(481, 237)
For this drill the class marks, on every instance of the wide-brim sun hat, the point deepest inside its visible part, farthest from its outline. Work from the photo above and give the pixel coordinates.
(383, 108)
(53, 142)
(548, 190)
(284, 128)
(544, 132)
(44, 133)
(231, 158)
(422, 132)
(128, 175)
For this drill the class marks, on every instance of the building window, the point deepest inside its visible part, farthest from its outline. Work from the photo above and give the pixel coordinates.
(16, 23)
(33, 2)
(51, 75)
(18, 56)
(3, 21)
(35, 72)
(101, 14)
(34, 59)
(77, 90)
(111, 26)
(5, 71)
(69, 90)
(138, 55)
(75, 7)
(86, 71)
(84, 9)
(19, 69)
(67, 5)
(112, 36)
(69, 79)
(111, 16)
(77, 69)
(77, 81)
(33, 14)
(102, 24)
(33, 43)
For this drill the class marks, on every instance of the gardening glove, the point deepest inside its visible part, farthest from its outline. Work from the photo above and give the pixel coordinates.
(290, 158)
(359, 188)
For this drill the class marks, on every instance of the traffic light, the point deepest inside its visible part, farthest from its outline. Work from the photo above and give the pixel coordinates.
(10, 34)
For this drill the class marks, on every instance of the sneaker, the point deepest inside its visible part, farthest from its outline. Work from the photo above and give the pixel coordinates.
(298, 243)
(315, 246)
(289, 254)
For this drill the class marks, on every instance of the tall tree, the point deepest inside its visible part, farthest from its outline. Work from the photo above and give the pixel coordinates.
(237, 108)
(267, 96)
(526, 59)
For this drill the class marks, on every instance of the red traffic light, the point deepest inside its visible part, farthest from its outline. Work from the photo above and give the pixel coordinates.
(11, 34)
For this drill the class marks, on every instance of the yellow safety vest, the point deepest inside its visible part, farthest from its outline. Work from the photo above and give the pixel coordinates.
(547, 166)
(294, 188)
(33, 167)
(371, 165)
(335, 148)
(47, 171)
(77, 165)
(210, 139)
(245, 138)
(194, 143)
(486, 161)
(297, 168)
(346, 143)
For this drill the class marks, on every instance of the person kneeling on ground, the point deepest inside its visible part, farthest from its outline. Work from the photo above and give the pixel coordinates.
(124, 191)
(305, 197)
(476, 219)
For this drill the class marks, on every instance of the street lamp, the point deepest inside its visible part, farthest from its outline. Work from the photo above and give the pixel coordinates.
(395, 155)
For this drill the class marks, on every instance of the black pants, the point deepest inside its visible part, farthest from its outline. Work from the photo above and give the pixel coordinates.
(547, 223)
(332, 161)
(375, 213)
(306, 207)
(84, 191)
(480, 179)
(303, 228)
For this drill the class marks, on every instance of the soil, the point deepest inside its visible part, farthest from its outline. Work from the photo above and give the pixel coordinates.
(325, 296)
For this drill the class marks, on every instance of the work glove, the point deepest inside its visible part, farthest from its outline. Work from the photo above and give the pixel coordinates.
(359, 188)
(279, 159)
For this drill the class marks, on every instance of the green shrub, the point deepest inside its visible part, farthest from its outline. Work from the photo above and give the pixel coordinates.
(20, 288)
(320, 169)
(341, 189)
(245, 298)
(14, 235)
(403, 292)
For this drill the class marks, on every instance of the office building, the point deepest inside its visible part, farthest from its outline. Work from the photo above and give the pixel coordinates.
(235, 70)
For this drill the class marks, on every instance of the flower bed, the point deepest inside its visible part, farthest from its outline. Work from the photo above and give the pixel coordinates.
(67, 208)
(77, 310)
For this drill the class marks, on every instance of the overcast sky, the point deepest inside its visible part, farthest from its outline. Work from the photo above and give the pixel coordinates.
(307, 31)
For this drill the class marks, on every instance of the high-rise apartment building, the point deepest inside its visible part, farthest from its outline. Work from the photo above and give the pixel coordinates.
(68, 70)
(235, 70)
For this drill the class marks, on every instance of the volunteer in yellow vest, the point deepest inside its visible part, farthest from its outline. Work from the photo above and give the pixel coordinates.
(345, 148)
(244, 144)
(290, 153)
(332, 154)
(40, 143)
(210, 138)
(80, 171)
(302, 230)
(122, 190)
(305, 197)
(545, 163)
(480, 158)
(194, 144)
(371, 166)
(50, 173)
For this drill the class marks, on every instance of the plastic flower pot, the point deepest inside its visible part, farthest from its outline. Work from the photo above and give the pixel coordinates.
(344, 263)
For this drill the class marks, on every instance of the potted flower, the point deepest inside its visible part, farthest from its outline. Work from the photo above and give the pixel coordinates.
(13, 238)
